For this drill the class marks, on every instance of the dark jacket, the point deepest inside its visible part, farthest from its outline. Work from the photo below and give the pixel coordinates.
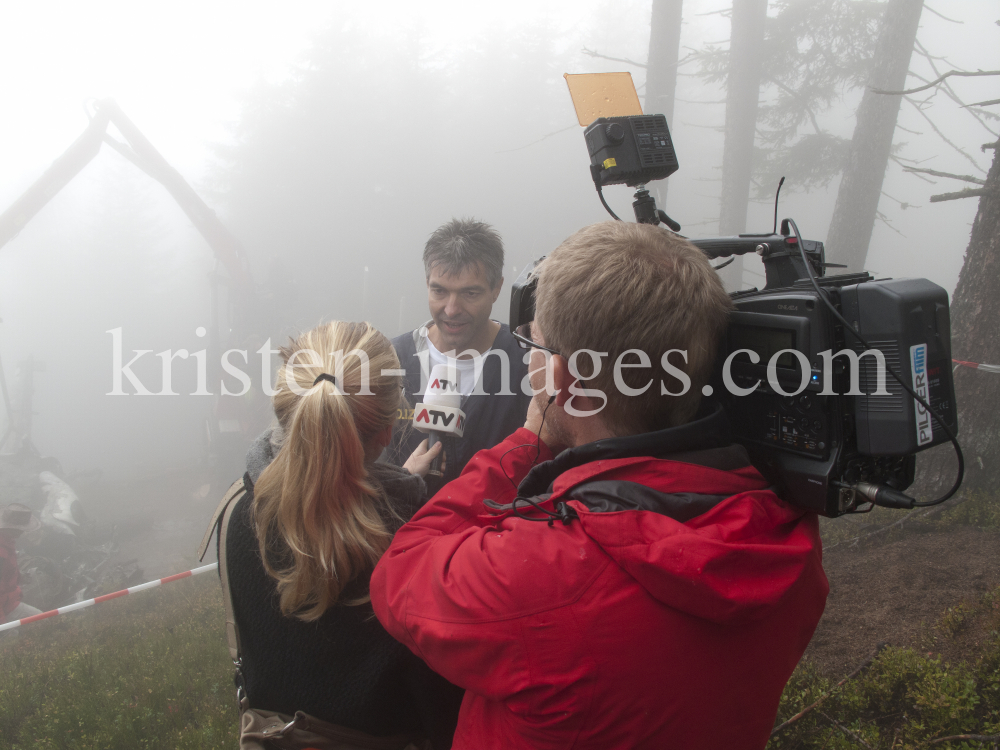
(343, 668)
(665, 607)
(490, 415)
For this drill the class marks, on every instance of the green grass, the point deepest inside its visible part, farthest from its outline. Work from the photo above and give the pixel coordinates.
(149, 670)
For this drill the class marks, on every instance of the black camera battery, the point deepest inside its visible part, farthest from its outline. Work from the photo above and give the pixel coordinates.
(632, 150)
(908, 321)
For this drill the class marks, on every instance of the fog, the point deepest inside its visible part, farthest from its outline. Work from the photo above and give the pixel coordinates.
(331, 140)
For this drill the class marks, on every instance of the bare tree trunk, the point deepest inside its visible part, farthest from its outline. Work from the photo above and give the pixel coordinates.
(975, 310)
(746, 44)
(661, 68)
(861, 186)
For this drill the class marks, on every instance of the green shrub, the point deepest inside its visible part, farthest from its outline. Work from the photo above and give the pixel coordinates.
(906, 698)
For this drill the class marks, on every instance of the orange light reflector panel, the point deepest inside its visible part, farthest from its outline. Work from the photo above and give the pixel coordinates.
(602, 95)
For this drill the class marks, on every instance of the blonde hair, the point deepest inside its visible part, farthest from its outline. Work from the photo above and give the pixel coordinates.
(315, 509)
(616, 286)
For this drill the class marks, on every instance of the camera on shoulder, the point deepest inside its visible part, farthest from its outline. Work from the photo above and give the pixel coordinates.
(832, 383)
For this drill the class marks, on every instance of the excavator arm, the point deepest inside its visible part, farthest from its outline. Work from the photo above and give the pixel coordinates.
(55, 178)
(140, 152)
(137, 149)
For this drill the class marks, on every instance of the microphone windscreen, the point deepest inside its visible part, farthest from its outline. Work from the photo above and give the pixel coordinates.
(442, 387)
(449, 420)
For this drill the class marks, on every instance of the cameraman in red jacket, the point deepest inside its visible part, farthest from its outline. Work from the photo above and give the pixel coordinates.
(615, 574)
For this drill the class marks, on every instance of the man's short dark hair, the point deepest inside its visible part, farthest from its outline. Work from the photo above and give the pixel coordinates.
(462, 243)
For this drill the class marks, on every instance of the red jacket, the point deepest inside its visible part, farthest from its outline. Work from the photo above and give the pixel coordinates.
(619, 628)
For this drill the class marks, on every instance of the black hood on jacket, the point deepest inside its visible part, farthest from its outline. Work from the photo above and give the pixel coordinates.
(706, 440)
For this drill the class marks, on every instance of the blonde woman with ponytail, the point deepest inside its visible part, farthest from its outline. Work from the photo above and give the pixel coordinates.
(301, 545)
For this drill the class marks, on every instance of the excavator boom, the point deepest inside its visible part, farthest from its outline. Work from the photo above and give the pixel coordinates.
(140, 152)
(55, 178)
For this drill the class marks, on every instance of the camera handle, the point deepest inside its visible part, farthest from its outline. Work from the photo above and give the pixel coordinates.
(784, 264)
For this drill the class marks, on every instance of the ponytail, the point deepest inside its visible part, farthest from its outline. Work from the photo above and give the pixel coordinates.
(316, 511)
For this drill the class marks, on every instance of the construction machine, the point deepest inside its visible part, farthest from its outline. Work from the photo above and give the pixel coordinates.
(230, 321)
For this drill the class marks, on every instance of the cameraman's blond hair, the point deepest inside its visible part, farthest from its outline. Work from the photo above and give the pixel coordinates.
(616, 286)
(316, 512)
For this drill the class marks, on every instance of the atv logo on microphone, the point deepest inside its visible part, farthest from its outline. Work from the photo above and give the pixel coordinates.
(431, 417)
(440, 384)
(918, 366)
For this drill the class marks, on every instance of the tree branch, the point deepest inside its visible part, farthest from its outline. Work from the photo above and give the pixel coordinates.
(844, 729)
(901, 159)
(625, 60)
(984, 104)
(798, 96)
(942, 135)
(936, 82)
(547, 135)
(967, 193)
(963, 177)
(923, 51)
(865, 664)
(940, 15)
(903, 205)
(919, 47)
(948, 89)
(983, 112)
(885, 220)
(918, 176)
(976, 737)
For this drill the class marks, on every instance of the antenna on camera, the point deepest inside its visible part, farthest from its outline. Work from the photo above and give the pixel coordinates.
(776, 194)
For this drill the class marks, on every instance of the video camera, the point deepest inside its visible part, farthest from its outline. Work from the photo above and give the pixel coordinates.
(826, 429)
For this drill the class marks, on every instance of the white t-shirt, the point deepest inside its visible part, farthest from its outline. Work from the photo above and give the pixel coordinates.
(468, 370)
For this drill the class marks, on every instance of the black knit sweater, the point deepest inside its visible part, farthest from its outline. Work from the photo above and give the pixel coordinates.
(343, 668)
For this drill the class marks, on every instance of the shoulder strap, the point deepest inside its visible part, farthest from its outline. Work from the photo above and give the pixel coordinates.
(220, 520)
(232, 634)
(236, 488)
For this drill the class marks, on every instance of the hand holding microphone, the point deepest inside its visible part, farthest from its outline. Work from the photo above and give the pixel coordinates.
(439, 413)
(419, 462)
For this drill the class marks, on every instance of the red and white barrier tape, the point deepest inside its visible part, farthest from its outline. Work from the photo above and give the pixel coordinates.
(977, 366)
(106, 597)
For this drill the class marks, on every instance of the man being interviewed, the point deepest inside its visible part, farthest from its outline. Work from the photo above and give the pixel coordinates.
(463, 263)
(644, 588)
